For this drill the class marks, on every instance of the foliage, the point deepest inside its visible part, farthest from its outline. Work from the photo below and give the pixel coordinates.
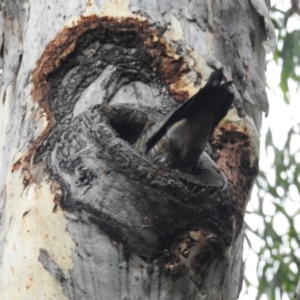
(278, 265)
(288, 48)
(278, 191)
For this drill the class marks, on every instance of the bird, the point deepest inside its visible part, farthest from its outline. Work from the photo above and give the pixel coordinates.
(178, 140)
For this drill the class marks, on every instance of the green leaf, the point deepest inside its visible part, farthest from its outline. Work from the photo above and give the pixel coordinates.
(290, 55)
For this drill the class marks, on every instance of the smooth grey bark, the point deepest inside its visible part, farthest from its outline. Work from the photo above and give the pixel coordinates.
(84, 215)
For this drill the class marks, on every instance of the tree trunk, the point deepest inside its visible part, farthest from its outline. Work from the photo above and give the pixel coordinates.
(84, 215)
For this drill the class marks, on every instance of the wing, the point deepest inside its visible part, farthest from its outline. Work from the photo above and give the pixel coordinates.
(176, 115)
(182, 111)
(212, 98)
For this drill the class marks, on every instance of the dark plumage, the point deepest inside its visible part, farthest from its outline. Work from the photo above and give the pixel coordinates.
(178, 140)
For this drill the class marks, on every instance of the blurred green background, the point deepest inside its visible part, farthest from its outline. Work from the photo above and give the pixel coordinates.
(272, 241)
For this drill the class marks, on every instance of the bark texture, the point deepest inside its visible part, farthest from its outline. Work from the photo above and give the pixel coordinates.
(84, 215)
